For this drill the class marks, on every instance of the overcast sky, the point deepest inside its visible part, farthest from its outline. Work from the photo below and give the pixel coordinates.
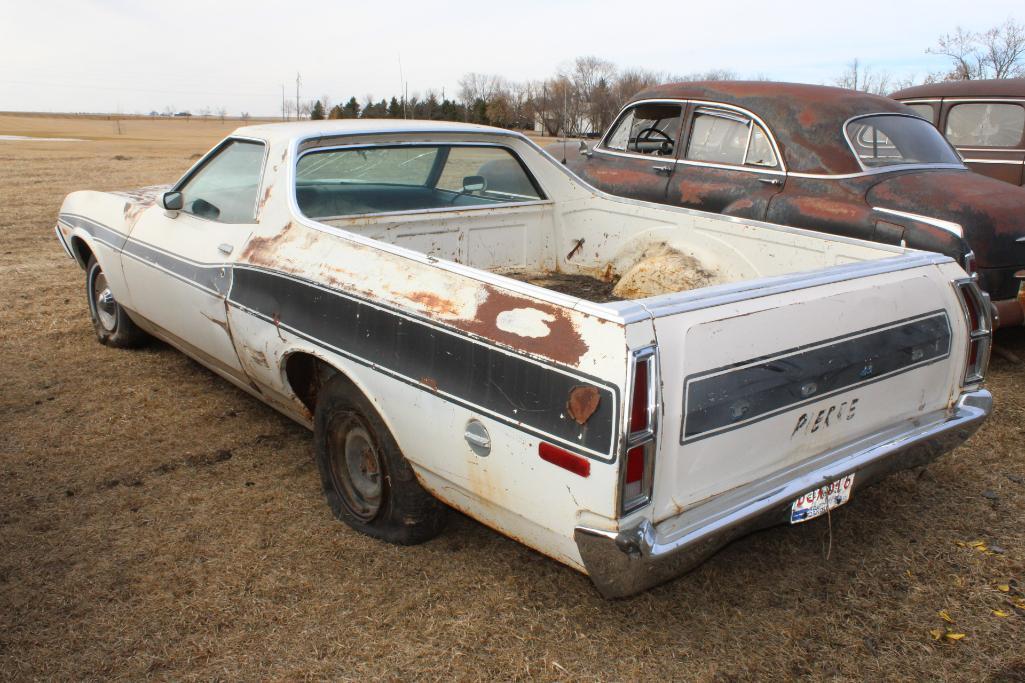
(128, 57)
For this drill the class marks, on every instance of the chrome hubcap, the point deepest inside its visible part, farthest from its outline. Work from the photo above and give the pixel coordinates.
(103, 300)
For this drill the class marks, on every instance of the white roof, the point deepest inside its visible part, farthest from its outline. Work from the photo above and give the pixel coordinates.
(305, 129)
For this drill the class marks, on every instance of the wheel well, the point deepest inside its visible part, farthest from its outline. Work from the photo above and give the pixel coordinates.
(306, 375)
(81, 251)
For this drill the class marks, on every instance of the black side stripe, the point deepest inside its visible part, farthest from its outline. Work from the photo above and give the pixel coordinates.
(526, 393)
(735, 396)
(522, 393)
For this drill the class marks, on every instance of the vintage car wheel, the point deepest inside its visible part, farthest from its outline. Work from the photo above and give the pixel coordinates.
(111, 322)
(367, 481)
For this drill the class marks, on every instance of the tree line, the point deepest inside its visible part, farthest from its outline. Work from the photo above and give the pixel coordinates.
(584, 96)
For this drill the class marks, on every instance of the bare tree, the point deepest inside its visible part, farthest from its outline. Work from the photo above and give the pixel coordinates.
(222, 112)
(996, 53)
(858, 77)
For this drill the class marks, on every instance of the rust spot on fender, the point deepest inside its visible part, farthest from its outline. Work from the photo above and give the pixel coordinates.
(429, 382)
(582, 403)
(562, 344)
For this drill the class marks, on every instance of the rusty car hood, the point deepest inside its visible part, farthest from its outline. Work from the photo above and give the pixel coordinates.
(991, 212)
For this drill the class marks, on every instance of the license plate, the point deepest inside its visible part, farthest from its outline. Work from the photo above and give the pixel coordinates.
(816, 503)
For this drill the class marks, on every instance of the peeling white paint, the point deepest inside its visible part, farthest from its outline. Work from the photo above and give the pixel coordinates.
(525, 322)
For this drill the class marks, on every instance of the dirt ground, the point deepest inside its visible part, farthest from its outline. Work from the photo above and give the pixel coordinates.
(156, 522)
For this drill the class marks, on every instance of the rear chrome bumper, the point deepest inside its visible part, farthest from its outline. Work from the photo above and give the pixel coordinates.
(632, 560)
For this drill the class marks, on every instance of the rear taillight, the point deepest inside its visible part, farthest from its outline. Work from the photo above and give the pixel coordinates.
(979, 319)
(638, 462)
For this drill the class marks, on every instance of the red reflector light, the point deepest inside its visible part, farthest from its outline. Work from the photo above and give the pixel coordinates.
(576, 464)
(639, 404)
(635, 464)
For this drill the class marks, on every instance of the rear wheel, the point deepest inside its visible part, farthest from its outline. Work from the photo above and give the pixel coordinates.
(111, 322)
(367, 481)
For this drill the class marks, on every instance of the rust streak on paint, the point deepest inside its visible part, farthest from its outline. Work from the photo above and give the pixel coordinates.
(434, 303)
(429, 382)
(260, 250)
(583, 401)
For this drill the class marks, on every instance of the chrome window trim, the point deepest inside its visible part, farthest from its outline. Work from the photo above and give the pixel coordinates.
(1010, 150)
(214, 151)
(413, 143)
(868, 169)
(949, 226)
(994, 161)
(928, 100)
(881, 169)
(779, 169)
(1013, 100)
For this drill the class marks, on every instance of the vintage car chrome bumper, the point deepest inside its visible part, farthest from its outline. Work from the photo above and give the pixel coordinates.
(627, 562)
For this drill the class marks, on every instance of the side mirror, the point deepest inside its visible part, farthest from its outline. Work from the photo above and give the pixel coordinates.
(584, 150)
(474, 183)
(173, 202)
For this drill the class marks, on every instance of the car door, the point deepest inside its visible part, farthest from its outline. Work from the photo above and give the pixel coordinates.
(635, 159)
(989, 135)
(177, 264)
(729, 164)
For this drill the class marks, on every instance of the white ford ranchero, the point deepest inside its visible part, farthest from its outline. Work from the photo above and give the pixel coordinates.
(622, 386)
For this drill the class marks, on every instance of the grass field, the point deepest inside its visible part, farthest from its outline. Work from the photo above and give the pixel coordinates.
(156, 522)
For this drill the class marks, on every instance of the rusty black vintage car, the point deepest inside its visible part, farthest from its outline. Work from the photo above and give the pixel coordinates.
(828, 159)
(984, 120)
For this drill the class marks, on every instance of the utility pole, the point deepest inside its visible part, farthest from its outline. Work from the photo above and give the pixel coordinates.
(298, 82)
(283, 109)
(402, 87)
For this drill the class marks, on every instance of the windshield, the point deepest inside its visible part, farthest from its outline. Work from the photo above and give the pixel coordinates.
(894, 139)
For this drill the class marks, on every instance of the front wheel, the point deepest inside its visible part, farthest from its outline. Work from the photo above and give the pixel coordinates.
(367, 481)
(111, 322)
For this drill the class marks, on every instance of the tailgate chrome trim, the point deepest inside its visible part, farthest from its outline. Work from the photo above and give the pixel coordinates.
(632, 560)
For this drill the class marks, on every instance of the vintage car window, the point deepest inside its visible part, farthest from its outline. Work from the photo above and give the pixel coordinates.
(992, 124)
(759, 151)
(383, 179)
(647, 129)
(224, 188)
(895, 139)
(923, 110)
(718, 136)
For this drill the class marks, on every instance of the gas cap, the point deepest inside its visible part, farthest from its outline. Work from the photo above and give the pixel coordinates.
(477, 437)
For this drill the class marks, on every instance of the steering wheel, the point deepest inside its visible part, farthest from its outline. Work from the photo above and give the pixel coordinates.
(647, 132)
(667, 141)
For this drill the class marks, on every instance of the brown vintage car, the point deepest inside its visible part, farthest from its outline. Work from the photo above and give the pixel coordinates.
(817, 157)
(984, 120)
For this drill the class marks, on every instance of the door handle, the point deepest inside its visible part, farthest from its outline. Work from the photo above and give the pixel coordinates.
(662, 170)
(225, 248)
(771, 181)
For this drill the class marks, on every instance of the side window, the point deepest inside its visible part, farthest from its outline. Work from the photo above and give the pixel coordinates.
(225, 188)
(923, 110)
(727, 138)
(647, 129)
(986, 125)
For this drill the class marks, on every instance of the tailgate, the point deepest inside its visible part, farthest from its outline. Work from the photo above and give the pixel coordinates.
(752, 387)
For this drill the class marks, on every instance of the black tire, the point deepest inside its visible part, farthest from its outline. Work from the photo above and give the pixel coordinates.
(367, 481)
(111, 322)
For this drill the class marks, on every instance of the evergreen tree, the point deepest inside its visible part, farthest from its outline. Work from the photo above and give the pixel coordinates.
(318, 111)
(394, 109)
(352, 109)
(336, 112)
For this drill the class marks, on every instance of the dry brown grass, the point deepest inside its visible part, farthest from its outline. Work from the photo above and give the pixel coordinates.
(157, 522)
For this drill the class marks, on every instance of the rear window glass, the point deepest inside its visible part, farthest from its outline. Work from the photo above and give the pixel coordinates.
(923, 110)
(364, 180)
(893, 139)
(986, 125)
